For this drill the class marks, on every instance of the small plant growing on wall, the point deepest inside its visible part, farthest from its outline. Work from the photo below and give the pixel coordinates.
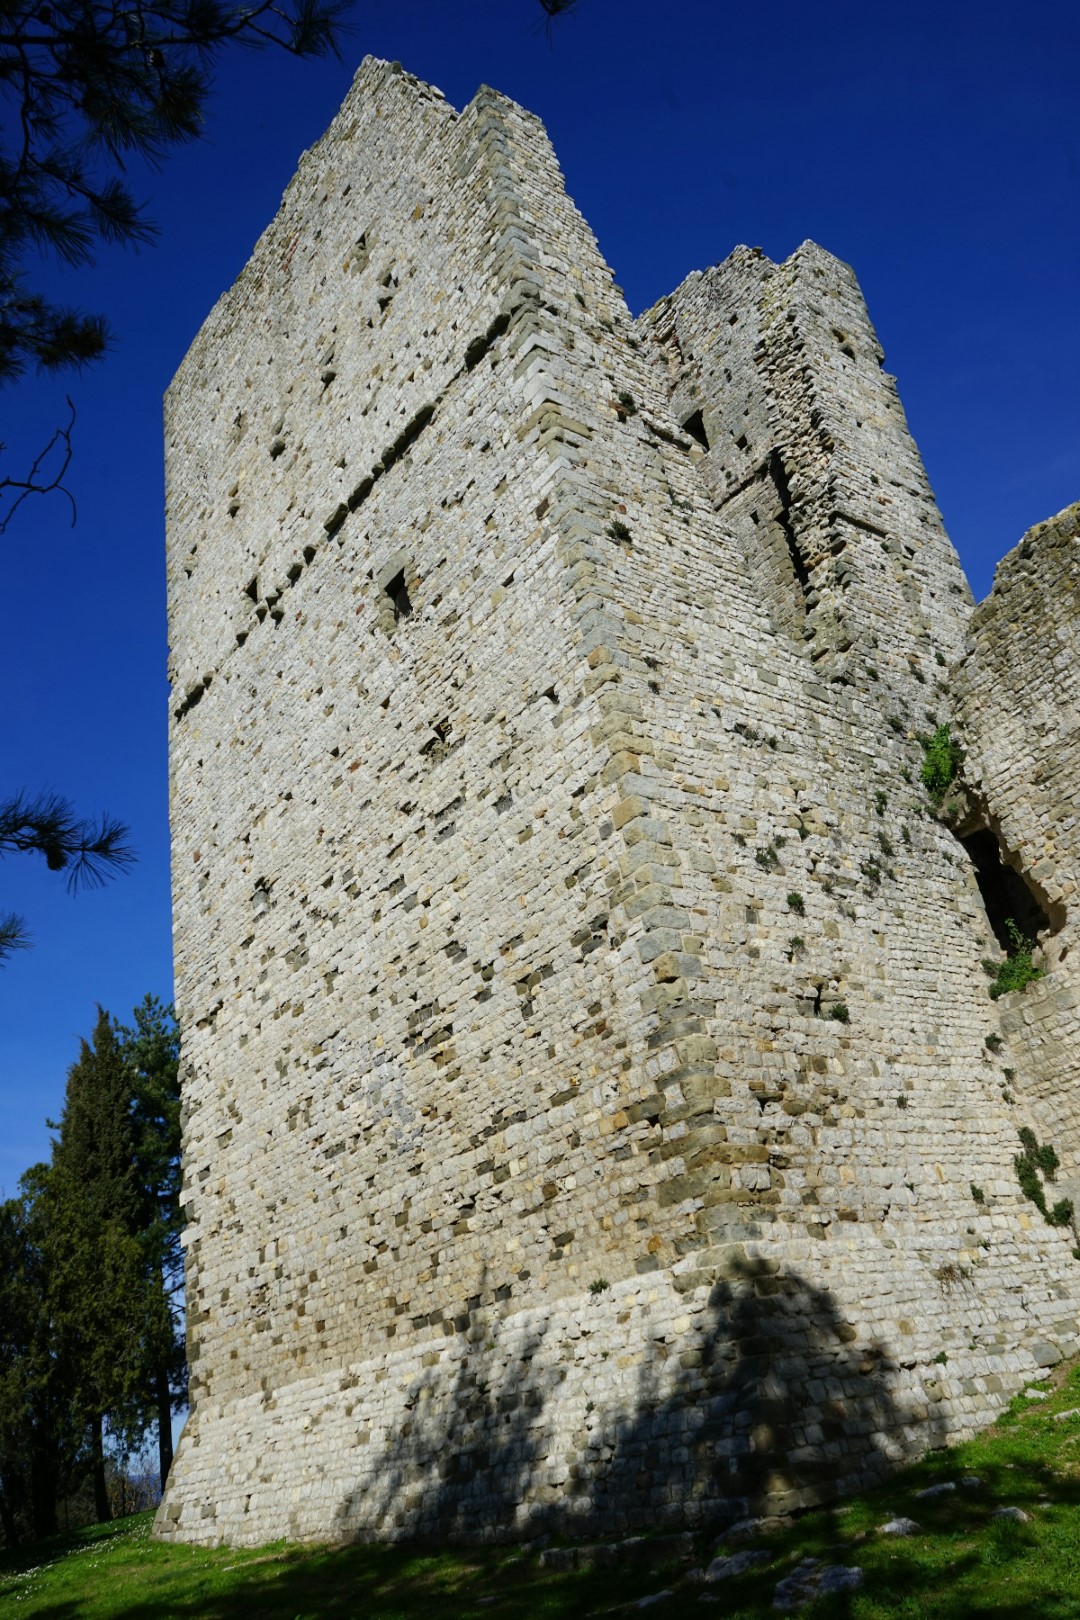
(1039, 1162)
(942, 761)
(796, 903)
(1017, 970)
(599, 1285)
(618, 531)
(839, 1012)
(767, 858)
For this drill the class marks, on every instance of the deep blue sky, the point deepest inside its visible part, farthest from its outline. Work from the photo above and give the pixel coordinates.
(934, 147)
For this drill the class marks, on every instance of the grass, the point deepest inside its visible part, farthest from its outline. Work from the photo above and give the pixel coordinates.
(962, 1565)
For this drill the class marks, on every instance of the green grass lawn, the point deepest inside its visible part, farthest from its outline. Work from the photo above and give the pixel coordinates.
(962, 1564)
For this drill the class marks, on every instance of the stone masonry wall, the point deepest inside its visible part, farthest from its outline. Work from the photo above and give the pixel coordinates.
(584, 1026)
(811, 463)
(1018, 707)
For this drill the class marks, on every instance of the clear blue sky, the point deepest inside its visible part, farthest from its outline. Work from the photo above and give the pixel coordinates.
(935, 147)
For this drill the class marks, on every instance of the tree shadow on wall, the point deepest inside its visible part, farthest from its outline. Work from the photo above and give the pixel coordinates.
(773, 1406)
(766, 1404)
(456, 1467)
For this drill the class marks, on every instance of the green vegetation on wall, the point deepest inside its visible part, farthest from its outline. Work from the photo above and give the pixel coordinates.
(1017, 969)
(943, 759)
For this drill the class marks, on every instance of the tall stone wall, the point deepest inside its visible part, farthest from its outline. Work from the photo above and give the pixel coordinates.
(1017, 700)
(584, 1070)
(811, 463)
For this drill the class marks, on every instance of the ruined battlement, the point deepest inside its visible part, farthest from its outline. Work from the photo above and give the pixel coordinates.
(585, 1066)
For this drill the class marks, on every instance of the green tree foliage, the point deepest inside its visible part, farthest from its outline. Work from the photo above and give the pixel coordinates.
(150, 1048)
(90, 1278)
(39, 1441)
(100, 1297)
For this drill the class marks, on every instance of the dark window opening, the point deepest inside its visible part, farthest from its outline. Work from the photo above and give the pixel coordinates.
(695, 426)
(398, 593)
(1005, 893)
(783, 518)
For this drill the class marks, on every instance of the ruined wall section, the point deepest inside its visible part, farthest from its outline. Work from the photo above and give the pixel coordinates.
(532, 1180)
(811, 462)
(1018, 717)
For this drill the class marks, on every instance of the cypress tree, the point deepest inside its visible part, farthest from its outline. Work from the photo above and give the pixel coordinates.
(151, 1051)
(91, 1272)
(39, 1443)
(99, 1296)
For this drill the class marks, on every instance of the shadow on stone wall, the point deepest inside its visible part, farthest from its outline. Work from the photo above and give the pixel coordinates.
(460, 1460)
(769, 1406)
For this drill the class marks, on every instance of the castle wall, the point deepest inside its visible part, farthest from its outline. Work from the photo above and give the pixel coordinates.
(1018, 710)
(584, 1064)
(811, 463)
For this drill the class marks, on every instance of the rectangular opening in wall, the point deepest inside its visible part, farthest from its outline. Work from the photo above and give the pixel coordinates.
(397, 591)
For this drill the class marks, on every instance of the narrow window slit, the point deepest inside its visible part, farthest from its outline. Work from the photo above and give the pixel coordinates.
(783, 518)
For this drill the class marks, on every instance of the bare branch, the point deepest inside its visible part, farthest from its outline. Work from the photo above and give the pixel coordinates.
(35, 482)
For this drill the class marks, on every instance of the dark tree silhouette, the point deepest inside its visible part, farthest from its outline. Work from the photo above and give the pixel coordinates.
(150, 1049)
(84, 88)
(89, 851)
(100, 1295)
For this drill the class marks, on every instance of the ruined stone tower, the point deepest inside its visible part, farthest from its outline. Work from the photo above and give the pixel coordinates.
(596, 1115)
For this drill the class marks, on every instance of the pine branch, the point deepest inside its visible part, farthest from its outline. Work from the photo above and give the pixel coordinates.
(90, 851)
(14, 935)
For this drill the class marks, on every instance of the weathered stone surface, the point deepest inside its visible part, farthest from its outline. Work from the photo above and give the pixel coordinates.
(585, 1066)
(810, 1580)
(1017, 700)
(726, 1568)
(900, 1527)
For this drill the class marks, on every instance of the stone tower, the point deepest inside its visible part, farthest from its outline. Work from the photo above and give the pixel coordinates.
(594, 1115)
